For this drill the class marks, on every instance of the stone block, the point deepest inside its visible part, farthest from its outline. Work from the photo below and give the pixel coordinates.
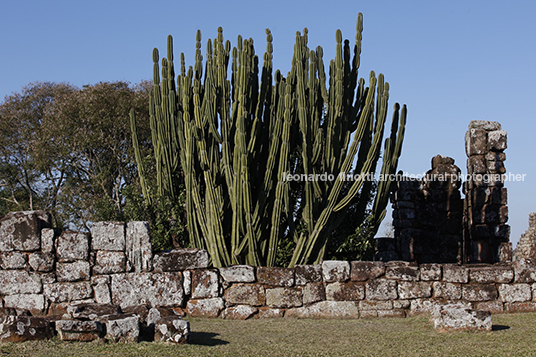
(485, 124)
(455, 317)
(350, 291)
(72, 246)
(369, 305)
(313, 292)
(108, 236)
(304, 274)
(524, 271)
(238, 274)
(34, 303)
(180, 259)
(138, 247)
(83, 331)
(363, 271)
(401, 304)
(381, 289)
(395, 313)
(13, 260)
(269, 313)
(402, 272)
(515, 292)
(155, 289)
(491, 274)
(430, 272)
(447, 291)
(497, 140)
(335, 271)
(42, 262)
(156, 313)
(187, 282)
(91, 311)
(48, 237)
(66, 292)
(75, 271)
(284, 297)
(453, 273)
(239, 312)
(141, 310)
(205, 307)
(414, 289)
(109, 262)
(205, 284)
(326, 310)
(25, 328)
(495, 307)
(520, 307)
(122, 327)
(22, 230)
(101, 289)
(476, 142)
(245, 294)
(479, 292)
(274, 276)
(172, 329)
(19, 282)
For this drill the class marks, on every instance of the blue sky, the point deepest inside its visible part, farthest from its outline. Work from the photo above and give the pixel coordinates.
(450, 61)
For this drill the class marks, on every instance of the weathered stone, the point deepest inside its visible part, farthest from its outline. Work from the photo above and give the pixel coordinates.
(518, 307)
(238, 274)
(492, 274)
(430, 272)
(414, 289)
(304, 274)
(394, 313)
(453, 273)
(495, 307)
(48, 278)
(239, 312)
(476, 142)
(524, 271)
(187, 282)
(381, 289)
(448, 291)
(402, 272)
(245, 294)
(351, 291)
(275, 276)
(335, 270)
(19, 282)
(66, 292)
(72, 246)
(101, 289)
(156, 289)
(205, 284)
(25, 328)
(138, 246)
(485, 124)
(13, 260)
(326, 310)
(109, 262)
(48, 236)
(172, 329)
(363, 271)
(122, 327)
(34, 303)
(497, 140)
(401, 304)
(22, 230)
(269, 313)
(75, 271)
(108, 236)
(479, 292)
(421, 306)
(515, 292)
(367, 305)
(284, 297)
(91, 311)
(455, 317)
(42, 262)
(313, 292)
(156, 313)
(180, 259)
(205, 307)
(76, 330)
(141, 310)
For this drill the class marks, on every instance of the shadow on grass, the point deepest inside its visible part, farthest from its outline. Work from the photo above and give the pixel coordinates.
(205, 339)
(499, 327)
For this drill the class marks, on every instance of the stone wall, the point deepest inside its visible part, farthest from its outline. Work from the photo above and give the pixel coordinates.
(45, 272)
(526, 247)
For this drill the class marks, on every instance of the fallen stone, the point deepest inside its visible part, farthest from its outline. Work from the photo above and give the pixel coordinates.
(141, 310)
(83, 331)
(205, 284)
(108, 236)
(91, 311)
(274, 276)
(245, 294)
(42, 262)
(138, 246)
(351, 291)
(363, 271)
(71, 246)
(34, 303)
(205, 307)
(157, 312)
(304, 274)
(14, 282)
(122, 327)
(326, 310)
(172, 329)
(67, 292)
(381, 289)
(155, 289)
(284, 297)
(13, 260)
(335, 270)
(25, 328)
(187, 282)
(109, 262)
(239, 312)
(75, 271)
(238, 274)
(456, 317)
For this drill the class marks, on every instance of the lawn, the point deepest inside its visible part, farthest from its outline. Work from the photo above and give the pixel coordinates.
(513, 335)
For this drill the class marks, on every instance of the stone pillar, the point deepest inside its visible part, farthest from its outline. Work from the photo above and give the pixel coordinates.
(486, 234)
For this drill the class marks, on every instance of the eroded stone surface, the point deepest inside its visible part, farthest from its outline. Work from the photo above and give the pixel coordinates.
(492, 274)
(13, 260)
(448, 291)
(430, 272)
(515, 292)
(101, 289)
(455, 274)
(313, 292)
(25, 328)
(479, 292)
(350, 291)
(155, 289)
(34, 303)
(399, 271)
(413, 290)
(335, 270)
(42, 262)
(108, 236)
(22, 230)
(381, 289)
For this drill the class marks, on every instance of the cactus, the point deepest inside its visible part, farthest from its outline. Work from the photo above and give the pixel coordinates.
(238, 138)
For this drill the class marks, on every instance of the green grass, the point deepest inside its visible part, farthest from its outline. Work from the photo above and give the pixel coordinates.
(513, 335)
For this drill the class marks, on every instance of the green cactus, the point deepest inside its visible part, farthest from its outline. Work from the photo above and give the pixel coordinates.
(238, 138)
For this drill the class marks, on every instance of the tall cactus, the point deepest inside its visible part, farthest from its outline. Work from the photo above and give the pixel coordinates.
(238, 139)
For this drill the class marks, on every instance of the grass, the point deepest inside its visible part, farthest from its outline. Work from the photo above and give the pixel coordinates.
(513, 335)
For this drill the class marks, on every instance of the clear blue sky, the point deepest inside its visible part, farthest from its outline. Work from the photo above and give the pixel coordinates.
(450, 61)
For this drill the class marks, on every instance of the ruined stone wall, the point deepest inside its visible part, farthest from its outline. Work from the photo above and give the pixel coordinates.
(526, 247)
(45, 272)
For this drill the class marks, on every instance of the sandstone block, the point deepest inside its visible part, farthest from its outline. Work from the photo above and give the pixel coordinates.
(497, 140)
(22, 230)
(138, 246)
(455, 317)
(13, 260)
(91, 311)
(205, 307)
(75, 271)
(72, 246)
(19, 282)
(34, 303)
(493, 274)
(122, 327)
(447, 291)
(335, 270)
(414, 289)
(66, 292)
(381, 289)
(155, 289)
(284, 297)
(430, 272)
(172, 329)
(205, 283)
(109, 262)
(48, 236)
(326, 310)
(75, 330)
(479, 292)
(402, 272)
(351, 291)
(269, 313)
(42, 262)
(368, 305)
(485, 124)
(245, 294)
(524, 271)
(238, 274)
(515, 292)
(141, 310)
(476, 142)
(495, 307)
(25, 328)
(239, 312)
(363, 271)
(313, 292)
(180, 259)
(108, 236)
(519, 307)
(453, 273)
(275, 276)
(156, 313)
(101, 289)
(304, 274)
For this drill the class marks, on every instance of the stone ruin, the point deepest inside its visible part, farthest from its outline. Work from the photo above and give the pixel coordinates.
(526, 247)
